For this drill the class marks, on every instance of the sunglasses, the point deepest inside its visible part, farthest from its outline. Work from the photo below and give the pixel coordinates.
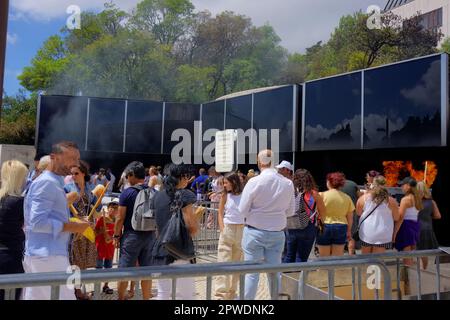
(75, 173)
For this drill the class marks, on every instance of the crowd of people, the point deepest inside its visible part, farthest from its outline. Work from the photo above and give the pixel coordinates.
(276, 214)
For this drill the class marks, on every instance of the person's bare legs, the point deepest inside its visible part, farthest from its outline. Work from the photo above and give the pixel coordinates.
(378, 250)
(324, 251)
(146, 286)
(121, 289)
(424, 262)
(351, 247)
(408, 262)
(337, 250)
(366, 250)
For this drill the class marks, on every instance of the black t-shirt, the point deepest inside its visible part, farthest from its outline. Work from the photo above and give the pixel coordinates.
(162, 205)
(127, 199)
(11, 223)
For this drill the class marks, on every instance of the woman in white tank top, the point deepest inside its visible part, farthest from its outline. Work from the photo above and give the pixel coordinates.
(231, 224)
(378, 212)
(407, 230)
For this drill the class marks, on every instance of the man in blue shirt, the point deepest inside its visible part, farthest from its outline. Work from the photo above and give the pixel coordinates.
(198, 186)
(47, 226)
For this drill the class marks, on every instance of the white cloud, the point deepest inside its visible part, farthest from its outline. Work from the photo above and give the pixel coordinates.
(12, 38)
(299, 23)
(421, 95)
(45, 10)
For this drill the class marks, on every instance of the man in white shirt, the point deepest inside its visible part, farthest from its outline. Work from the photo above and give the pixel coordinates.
(267, 201)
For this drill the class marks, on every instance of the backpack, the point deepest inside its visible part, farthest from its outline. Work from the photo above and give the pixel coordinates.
(301, 219)
(143, 218)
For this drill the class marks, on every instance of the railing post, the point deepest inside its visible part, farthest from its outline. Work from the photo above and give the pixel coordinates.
(274, 285)
(419, 280)
(399, 292)
(97, 290)
(330, 284)
(174, 288)
(438, 278)
(54, 295)
(359, 283)
(242, 286)
(353, 284)
(208, 287)
(302, 284)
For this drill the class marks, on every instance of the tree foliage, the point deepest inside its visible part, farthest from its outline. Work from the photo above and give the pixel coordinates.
(165, 50)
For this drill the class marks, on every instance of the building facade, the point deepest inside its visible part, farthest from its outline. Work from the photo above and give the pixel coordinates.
(435, 14)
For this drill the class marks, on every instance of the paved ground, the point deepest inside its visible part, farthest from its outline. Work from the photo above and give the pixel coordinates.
(200, 284)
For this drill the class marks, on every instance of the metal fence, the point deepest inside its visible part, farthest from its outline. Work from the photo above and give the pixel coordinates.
(56, 279)
(207, 240)
(394, 258)
(209, 270)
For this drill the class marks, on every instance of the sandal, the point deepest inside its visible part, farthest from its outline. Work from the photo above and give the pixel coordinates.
(130, 294)
(82, 296)
(108, 290)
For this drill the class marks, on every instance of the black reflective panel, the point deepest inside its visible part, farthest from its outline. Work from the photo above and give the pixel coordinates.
(239, 113)
(144, 126)
(273, 109)
(213, 116)
(106, 125)
(402, 105)
(333, 113)
(61, 118)
(179, 116)
(239, 116)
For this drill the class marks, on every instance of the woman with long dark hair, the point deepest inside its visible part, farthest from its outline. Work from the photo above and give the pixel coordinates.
(231, 224)
(301, 228)
(174, 195)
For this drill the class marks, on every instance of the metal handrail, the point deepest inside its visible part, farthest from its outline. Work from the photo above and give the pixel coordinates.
(55, 279)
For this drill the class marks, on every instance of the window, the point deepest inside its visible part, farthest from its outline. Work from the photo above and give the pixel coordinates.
(144, 127)
(61, 118)
(402, 104)
(432, 20)
(106, 125)
(333, 113)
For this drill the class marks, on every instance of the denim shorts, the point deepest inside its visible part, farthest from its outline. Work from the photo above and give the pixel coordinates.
(135, 247)
(333, 234)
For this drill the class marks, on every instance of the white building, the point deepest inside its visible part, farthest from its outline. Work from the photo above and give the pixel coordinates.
(435, 13)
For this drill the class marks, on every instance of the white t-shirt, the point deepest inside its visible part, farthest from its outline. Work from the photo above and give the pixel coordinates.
(378, 228)
(232, 214)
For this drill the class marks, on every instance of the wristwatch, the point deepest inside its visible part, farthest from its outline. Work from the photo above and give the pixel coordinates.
(116, 236)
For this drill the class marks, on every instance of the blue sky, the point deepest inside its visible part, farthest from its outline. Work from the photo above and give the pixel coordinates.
(299, 23)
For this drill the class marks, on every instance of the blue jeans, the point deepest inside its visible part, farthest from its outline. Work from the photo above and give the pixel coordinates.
(260, 245)
(299, 243)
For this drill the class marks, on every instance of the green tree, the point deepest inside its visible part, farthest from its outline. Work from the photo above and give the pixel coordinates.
(445, 47)
(167, 20)
(49, 61)
(18, 119)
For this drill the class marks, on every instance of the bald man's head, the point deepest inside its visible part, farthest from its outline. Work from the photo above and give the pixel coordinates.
(265, 159)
